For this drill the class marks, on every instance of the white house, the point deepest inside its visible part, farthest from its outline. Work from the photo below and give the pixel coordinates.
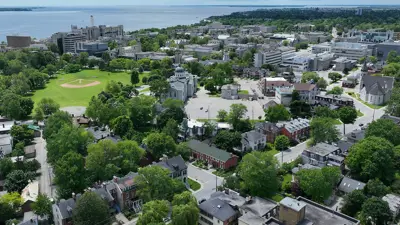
(253, 140)
(375, 90)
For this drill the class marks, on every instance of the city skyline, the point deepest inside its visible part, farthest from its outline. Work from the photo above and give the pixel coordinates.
(7, 3)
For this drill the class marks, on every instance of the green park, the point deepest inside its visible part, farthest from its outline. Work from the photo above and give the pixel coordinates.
(76, 89)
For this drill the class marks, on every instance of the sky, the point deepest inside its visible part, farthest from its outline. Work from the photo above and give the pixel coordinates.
(5, 3)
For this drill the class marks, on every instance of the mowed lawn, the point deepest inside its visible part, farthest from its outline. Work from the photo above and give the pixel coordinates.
(79, 96)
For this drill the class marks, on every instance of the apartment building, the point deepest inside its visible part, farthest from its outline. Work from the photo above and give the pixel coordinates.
(271, 57)
(307, 92)
(96, 32)
(323, 154)
(66, 42)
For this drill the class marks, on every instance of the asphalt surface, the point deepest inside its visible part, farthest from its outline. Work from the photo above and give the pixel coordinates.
(45, 182)
(207, 180)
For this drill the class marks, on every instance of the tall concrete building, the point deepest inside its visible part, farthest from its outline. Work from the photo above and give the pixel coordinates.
(18, 41)
(95, 32)
(67, 42)
(353, 51)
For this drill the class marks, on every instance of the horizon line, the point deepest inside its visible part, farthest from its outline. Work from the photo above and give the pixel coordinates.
(259, 5)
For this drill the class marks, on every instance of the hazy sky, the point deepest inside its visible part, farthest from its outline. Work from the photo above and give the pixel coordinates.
(184, 2)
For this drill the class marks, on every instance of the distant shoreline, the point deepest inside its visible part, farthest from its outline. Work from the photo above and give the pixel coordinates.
(18, 9)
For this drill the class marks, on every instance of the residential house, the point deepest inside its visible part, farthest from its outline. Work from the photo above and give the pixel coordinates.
(271, 103)
(394, 204)
(62, 210)
(395, 119)
(376, 90)
(268, 85)
(194, 128)
(123, 189)
(230, 91)
(344, 146)
(253, 140)
(307, 92)
(284, 95)
(333, 101)
(6, 143)
(5, 125)
(348, 185)
(323, 154)
(176, 165)
(29, 195)
(355, 136)
(216, 157)
(255, 73)
(306, 166)
(304, 211)
(296, 129)
(230, 208)
(182, 85)
(103, 133)
(269, 130)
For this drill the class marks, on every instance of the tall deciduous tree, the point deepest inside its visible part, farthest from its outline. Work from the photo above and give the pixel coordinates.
(171, 129)
(160, 144)
(91, 209)
(222, 115)
(154, 183)
(48, 106)
(393, 108)
(236, 113)
(375, 211)
(336, 91)
(300, 109)
(154, 212)
(141, 111)
(282, 142)
(375, 188)
(121, 125)
(386, 129)
(102, 160)
(259, 173)
(185, 214)
(309, 77)
(322, 83)
(135, 77)
(227, 140)
(159, 87)
(372, 158)
(324, 111)
(17, 180)
(323, 130)
(277, 113)
(68, 139)
(353, 202)
(55, 122)
(334, 76)
(42, 206)
(21, 133)
(6, 166)
(347, 115)
(70, 175)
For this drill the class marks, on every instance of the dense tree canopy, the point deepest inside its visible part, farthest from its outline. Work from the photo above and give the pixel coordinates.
(91, 209)
(258, 171)
(277, 113)
(323, 130)
(386, 129)
(372, 158)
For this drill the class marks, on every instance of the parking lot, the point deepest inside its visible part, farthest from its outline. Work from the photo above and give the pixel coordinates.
(211, 105)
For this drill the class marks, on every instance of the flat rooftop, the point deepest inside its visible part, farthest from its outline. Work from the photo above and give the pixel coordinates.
(317, 214)
(323, 149)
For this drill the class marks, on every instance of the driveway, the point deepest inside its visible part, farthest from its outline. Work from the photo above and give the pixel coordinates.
(207, 180)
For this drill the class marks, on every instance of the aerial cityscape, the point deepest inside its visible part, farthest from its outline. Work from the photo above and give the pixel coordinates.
(199, 113)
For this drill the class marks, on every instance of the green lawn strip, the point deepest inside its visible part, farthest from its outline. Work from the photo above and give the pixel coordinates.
(359, 113)
(337, 122)
(287, 178)
(243, 92)
(80, 96)
(194, 185)
(277, 197)
(145, 90)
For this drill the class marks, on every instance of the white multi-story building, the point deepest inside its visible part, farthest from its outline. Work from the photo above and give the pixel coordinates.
(353, 51)
(95, 32)
(182, 85)
(271, 57)
(320, 48)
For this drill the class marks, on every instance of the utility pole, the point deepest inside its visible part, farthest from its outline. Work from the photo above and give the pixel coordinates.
(216, 183)
(282, 156)
(373, 115)
(208, 111)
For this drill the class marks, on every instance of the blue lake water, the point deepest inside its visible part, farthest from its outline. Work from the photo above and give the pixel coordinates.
(42, 23)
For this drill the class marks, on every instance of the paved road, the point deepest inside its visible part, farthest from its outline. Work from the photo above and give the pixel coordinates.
(45, 179)
(292, 153)
(207, 181)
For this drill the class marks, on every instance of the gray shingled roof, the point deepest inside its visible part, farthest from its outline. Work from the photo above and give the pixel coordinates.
(376, 84)
(218, 208)
(348, 185)
(252, 136)
(174, 164)
(66, 206)
(206, 149)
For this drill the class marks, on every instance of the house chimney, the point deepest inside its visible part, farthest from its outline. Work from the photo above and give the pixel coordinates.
(73, 195)
(115, 179)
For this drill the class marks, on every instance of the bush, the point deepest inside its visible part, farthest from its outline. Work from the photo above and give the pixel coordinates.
(201, 83)
(145, 80)
(31, 166)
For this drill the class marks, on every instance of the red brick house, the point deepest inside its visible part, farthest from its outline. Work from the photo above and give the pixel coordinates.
(296, 129)
(270, 130)
(216, 157)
